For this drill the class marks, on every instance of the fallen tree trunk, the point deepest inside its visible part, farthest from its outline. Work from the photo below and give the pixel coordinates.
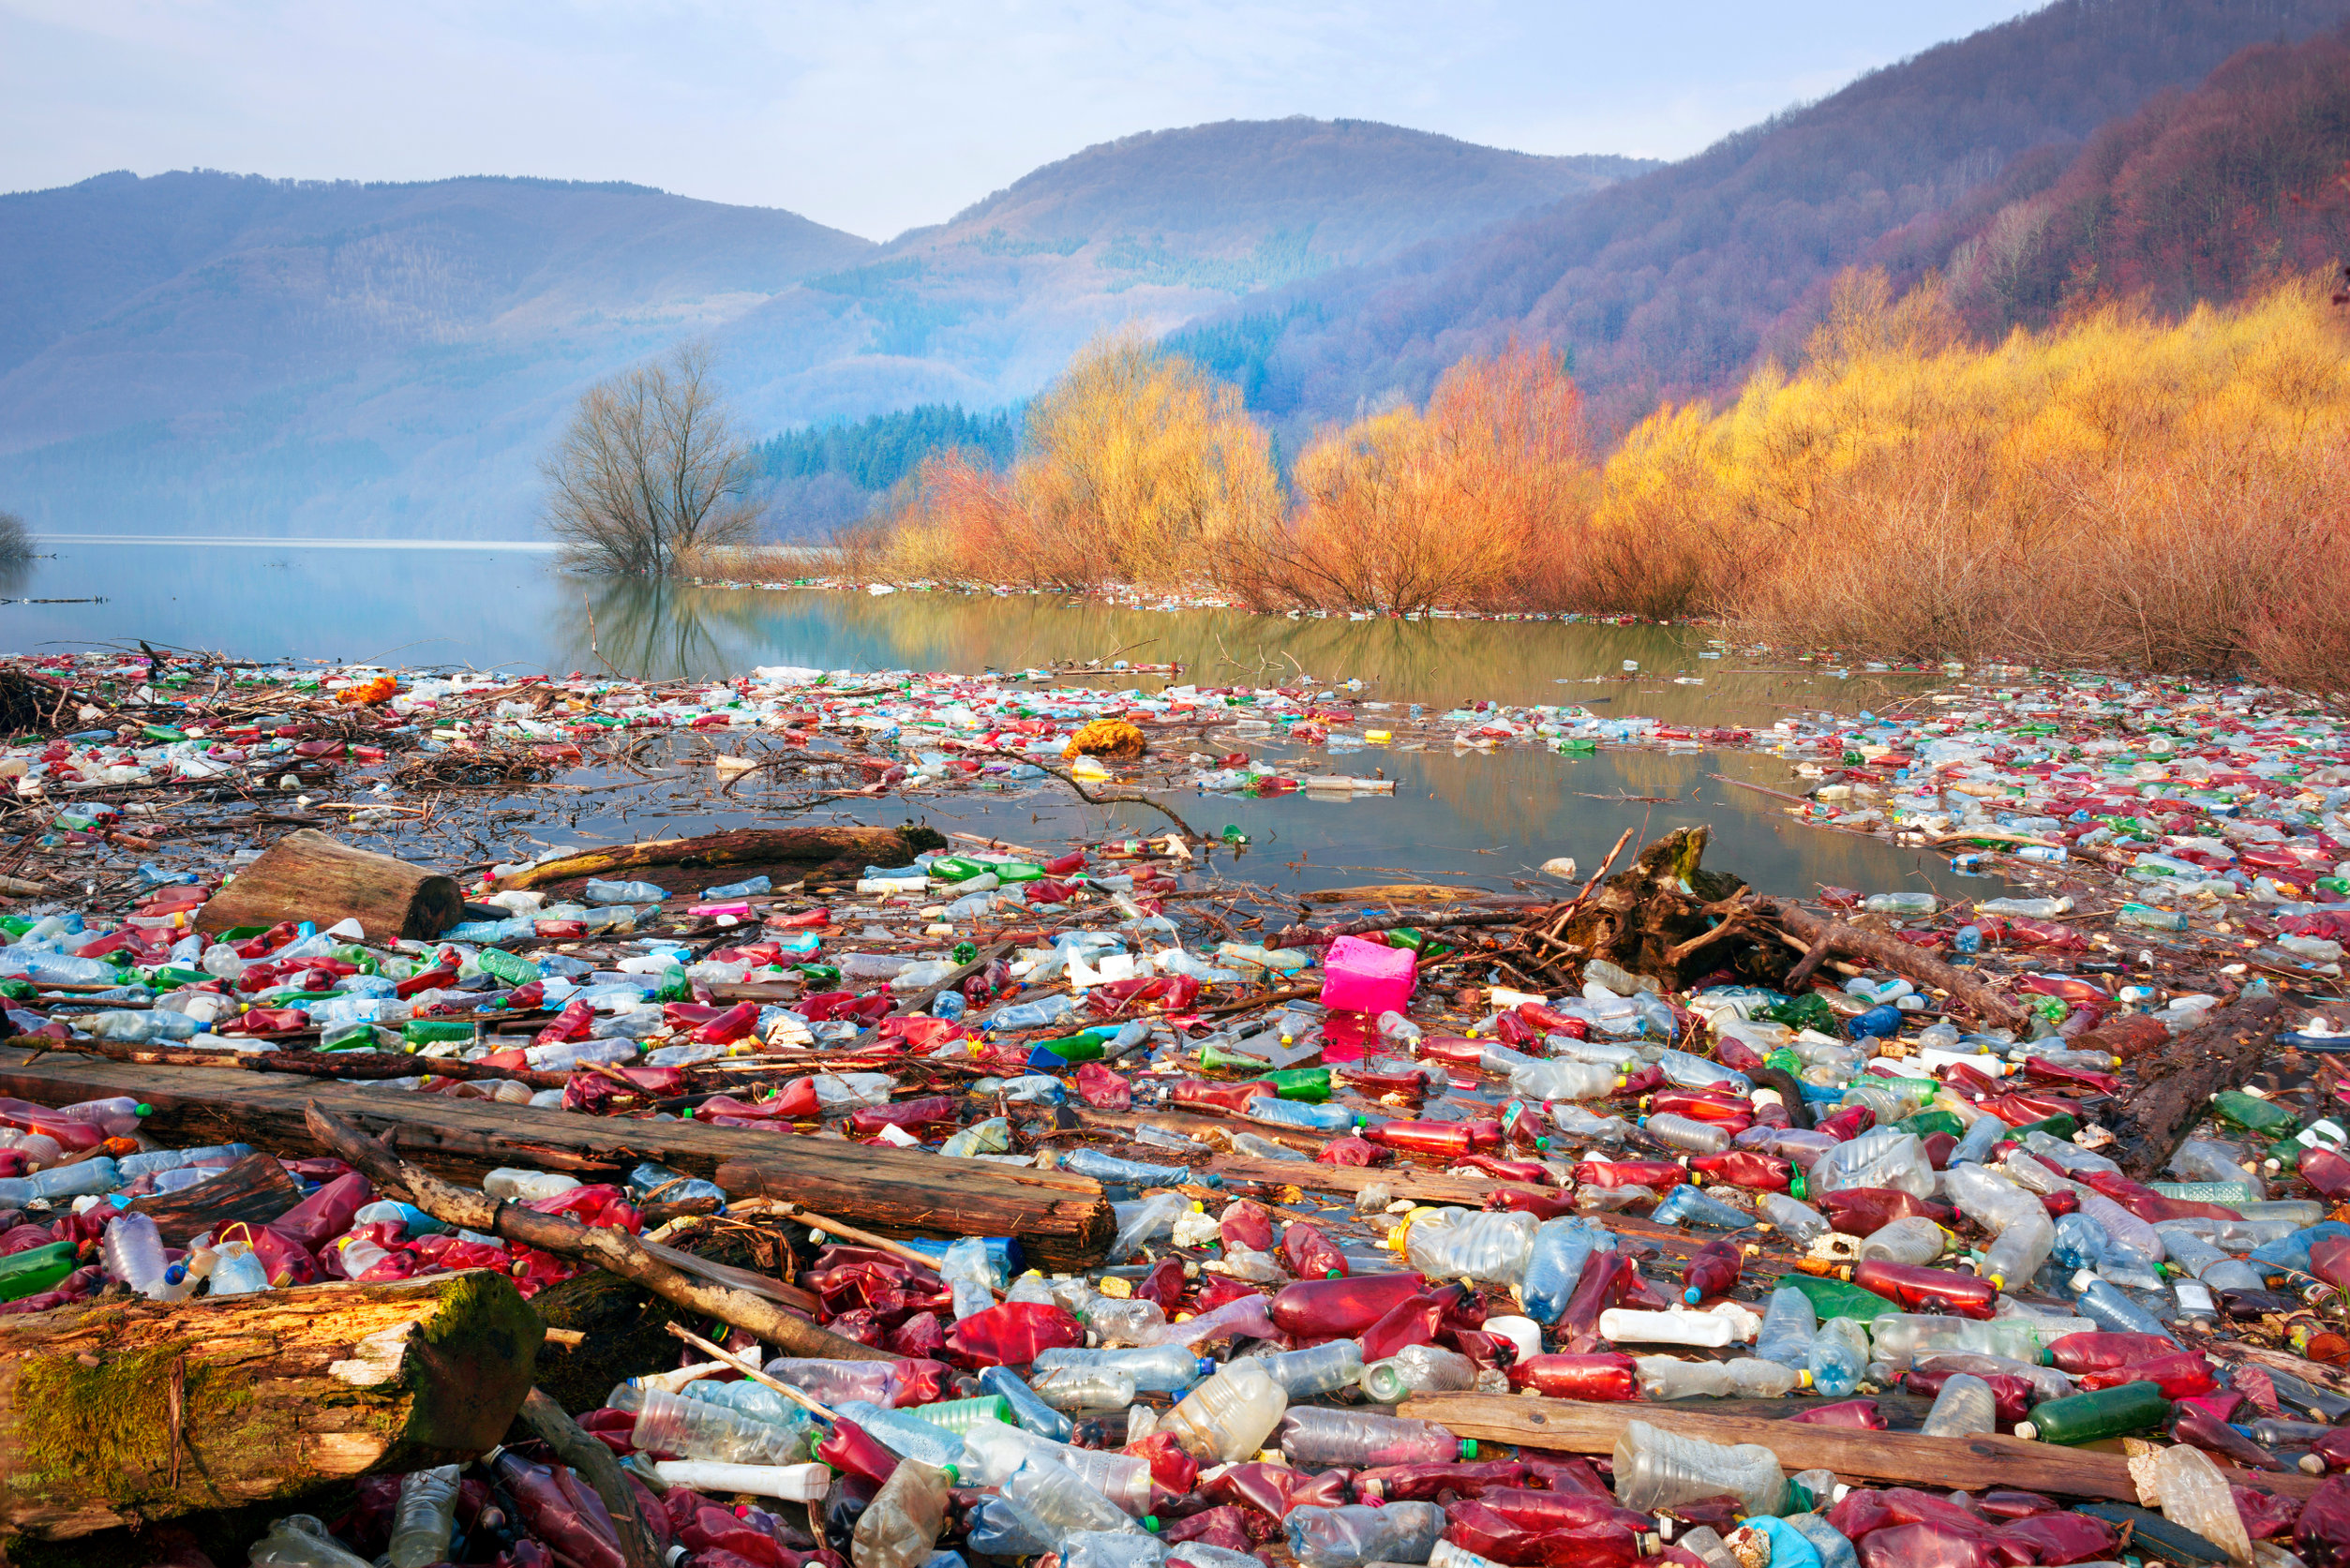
(1063, 1221)
(1904, 1459)
(2177, 1081)
(825, 849)
(1887, 951)
(593, 1460)
(613, 1250)
(307, 1064)
(306, 875)
(117, 1413)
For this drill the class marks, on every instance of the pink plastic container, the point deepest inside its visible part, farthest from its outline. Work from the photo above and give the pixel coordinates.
(1367, 977)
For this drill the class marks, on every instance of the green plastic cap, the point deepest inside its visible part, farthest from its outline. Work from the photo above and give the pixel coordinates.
(954, 1474)
(1468, 1448)
(145, 1111)
(1150, 1523)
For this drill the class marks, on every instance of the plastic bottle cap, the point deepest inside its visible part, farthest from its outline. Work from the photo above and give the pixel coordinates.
(2026, 1430)
(1468, 1448)
(1150, 1522)
(143, 1111)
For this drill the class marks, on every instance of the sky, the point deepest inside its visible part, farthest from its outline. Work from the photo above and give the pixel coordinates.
(879, 117)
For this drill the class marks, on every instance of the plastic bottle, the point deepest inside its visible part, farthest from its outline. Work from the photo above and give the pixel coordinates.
(790, 1483)
(1139, 1222)
(96, 1174)
(1228, 1417)
(1686, 1134)
(426, 1517)
(1685, 1206)
(301, 1541)
(1788, 1327)
(1356, 1534)
(1663, 1377)
(132, 1252)
(2194, 1495)
(1084, 1389)
(1027, 1410)
(1656, 1470)
(1556, 1262)
(236, 1271)
(1360, 1439)
(1900, 1338)
(2106, 1412)
(1621, 1325)
(1468, 1243)
(1062, 1502)
(1839, 1357)
(2105, 1304)
(1915, 1240)
(1964, 1407)
(700, 1429)
(1418, 1370)
(1799, 1222)
(1303, 1374)
(899, 1527)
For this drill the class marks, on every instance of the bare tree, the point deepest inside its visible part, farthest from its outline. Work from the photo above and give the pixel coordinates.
(650, 470)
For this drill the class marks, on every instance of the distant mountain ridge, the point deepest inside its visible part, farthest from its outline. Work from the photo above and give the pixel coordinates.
(221, 353)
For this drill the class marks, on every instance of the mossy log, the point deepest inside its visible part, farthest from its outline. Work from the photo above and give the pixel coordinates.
(124, 1411)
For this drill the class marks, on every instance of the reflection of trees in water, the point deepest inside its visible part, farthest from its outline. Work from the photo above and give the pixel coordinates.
(657, 629)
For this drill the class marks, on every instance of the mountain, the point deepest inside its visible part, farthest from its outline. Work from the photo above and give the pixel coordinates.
(218, 353)
(1151, 230)
(2199, 196)
(214, 353)
(1675, 283)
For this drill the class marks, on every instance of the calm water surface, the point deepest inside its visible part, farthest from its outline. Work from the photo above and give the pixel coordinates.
(1489, 817)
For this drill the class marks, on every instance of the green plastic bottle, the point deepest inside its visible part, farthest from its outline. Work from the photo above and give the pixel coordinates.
(1837, 1298)
(1926, 1124)
(1076, 1048)
(2252, 1113)
(2061, 1126)
(432, 1031)
(34, 1270)
(2093, 1417)
(501, 964)
(1310, 1085)
(820, 973)
(954, 868)
(1017, 871)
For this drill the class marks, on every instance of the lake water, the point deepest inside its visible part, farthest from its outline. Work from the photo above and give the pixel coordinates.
(1490, 818)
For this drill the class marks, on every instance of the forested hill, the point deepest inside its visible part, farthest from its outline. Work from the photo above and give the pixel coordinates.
(1676, 282)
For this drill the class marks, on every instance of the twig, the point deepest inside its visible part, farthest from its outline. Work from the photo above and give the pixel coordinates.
(591, 1458)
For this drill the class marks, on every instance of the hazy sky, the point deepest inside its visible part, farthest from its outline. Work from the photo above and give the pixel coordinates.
(876, 118)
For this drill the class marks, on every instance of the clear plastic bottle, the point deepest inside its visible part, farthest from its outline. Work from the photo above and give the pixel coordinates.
(1418, 1370)
(831, 1383)
(700, 1429)
(1160, 1369)
(1624, 1325)
(1564, 1080)
(1357, 1533)
(900, 1528)
(1321, 1368)
(1686, 1134)
(1656, 1470)
(1154, 1215)
(1488, 1246)
(1912, 1240)
(1000, 1528)
(236, 1270)
(1834, 1547)
(1099, 1548)
(82, 1177)
(1556, 1262)
(1687, 1205)
(903, 1432)
(1664, 1376)
(1799, 1222)
(1061, 1501)
(1028, 1411)
(1081, 1390)
(1129, 1321)
(997, 1452)
(426, 1517)
(1839, 1357)
(132, 1252)
(2194, 1495)
(1228, 1417)
(1360, 1439)
(1902, 1339)
(1789, 1323)
(1884, 1157)
(300, 1541)
(790, 1483)
(2109, 1307)
(1965, 1407)
(521, 1187)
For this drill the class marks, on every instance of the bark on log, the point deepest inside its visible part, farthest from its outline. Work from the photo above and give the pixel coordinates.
(1062, 1220)
(2177, 1081)
(115, 1412)
(824, 848)
(1890, 953)
(307, 1064)
(256, 1190)
(613, 1250)
(1971, 1464)
(306, 875)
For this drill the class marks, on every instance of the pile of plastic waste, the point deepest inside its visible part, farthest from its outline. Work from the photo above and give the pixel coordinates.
(1387, 1179)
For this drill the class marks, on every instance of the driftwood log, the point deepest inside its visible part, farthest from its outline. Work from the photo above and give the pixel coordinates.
(256, 1191)
(1663, 916)
(829, 854)
(2177, 1081)
(613, 1250)
(117, 1412)
(1062, 1220)
(307, 1064)
(1885, 951)
(1904, 1459)
(306, 875)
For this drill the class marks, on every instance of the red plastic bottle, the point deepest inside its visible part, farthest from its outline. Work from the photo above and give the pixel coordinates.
(1309, 1254)
(854, 1452)
(1847, 1124)
(1747, 1168)
(1164, 1284)
(736, 1022)
(1449, 1139)
(1531, 1171)
(1577, 1376)
(2327, 1172)
(325, 1213)
(1423, 1483)
(1711, 1271)
(1451, 1050)
(1328, 1309)
(1600, 1286)
(903, 1113)
(1412, 1320)
(1013, 1333)
(1217, 1096)
(2077, 1353)
(1920, 1288)
(571, 1024)
(1248, 1224)
(1658, 1173)
(2178, 1375)
(1700, 1106)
